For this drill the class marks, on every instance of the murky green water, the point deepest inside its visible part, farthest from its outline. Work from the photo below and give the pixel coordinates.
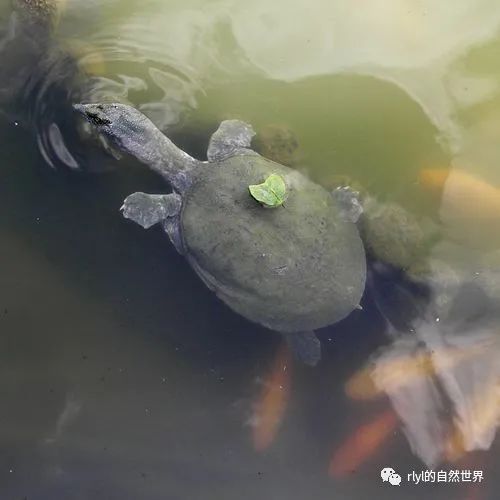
(123, 377)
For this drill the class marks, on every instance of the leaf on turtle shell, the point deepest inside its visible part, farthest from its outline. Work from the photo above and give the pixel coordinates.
(271, 193)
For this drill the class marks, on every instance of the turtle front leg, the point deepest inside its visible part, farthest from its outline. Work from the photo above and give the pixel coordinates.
(149, 209)
(233, 137)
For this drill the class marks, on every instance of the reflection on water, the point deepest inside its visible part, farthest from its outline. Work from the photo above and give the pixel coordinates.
(124, 378)
(40, 79)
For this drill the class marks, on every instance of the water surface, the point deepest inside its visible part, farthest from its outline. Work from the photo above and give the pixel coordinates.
(123, 377)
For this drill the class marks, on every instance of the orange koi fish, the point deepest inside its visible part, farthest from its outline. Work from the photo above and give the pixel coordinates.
(479, 490)
(437, 178)
(484, 415)
(362, 386)
(464, 196)
(433, 179)
(404, 370)
(271, 406)
(362, 444)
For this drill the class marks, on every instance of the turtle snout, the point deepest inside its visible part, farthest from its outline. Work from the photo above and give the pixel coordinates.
(94, 113)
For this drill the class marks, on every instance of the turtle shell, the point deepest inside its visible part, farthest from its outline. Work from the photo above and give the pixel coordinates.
(296, 267)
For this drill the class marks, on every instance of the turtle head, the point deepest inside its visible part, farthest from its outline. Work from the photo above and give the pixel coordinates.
(128, 130)
(123, 126)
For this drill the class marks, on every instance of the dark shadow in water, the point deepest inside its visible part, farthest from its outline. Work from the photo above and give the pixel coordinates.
(39, 82)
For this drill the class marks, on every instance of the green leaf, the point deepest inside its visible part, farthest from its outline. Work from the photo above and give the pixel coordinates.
(271, 193)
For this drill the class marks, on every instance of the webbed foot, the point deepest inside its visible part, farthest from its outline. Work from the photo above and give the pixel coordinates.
(232, 137)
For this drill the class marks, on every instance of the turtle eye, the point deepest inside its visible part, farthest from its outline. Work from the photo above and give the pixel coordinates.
(96, 119)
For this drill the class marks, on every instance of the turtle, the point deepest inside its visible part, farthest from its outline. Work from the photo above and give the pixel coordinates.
(293, 269)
